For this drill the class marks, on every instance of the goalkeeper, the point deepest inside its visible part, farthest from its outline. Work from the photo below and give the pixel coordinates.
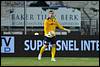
(50, 24)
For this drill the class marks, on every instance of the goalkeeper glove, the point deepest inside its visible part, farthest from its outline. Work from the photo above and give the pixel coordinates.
(49, 35)
(67, 30)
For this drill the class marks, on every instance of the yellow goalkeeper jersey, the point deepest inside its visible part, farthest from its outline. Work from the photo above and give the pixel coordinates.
(50, 24)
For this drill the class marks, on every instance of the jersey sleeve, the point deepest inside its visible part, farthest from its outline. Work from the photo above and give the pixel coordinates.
(59, 25)
(45, 26)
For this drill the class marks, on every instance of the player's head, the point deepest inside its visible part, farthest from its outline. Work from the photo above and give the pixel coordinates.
(51, 13)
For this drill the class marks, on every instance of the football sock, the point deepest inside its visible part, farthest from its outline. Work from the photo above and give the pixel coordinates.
(53, 51)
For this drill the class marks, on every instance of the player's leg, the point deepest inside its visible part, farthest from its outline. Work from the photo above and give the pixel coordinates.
(41, 51)
(43, 47)
(53, 50)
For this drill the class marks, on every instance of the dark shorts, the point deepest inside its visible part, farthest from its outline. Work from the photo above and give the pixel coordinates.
(49, 40)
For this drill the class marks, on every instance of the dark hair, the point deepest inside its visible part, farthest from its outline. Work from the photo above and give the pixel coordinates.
(50, 11)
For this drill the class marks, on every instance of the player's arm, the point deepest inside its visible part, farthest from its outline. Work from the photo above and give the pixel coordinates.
(45, 26)
(61, 27)
(46, 29)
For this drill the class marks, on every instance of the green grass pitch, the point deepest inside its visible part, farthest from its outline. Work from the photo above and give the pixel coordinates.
(46, 61)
